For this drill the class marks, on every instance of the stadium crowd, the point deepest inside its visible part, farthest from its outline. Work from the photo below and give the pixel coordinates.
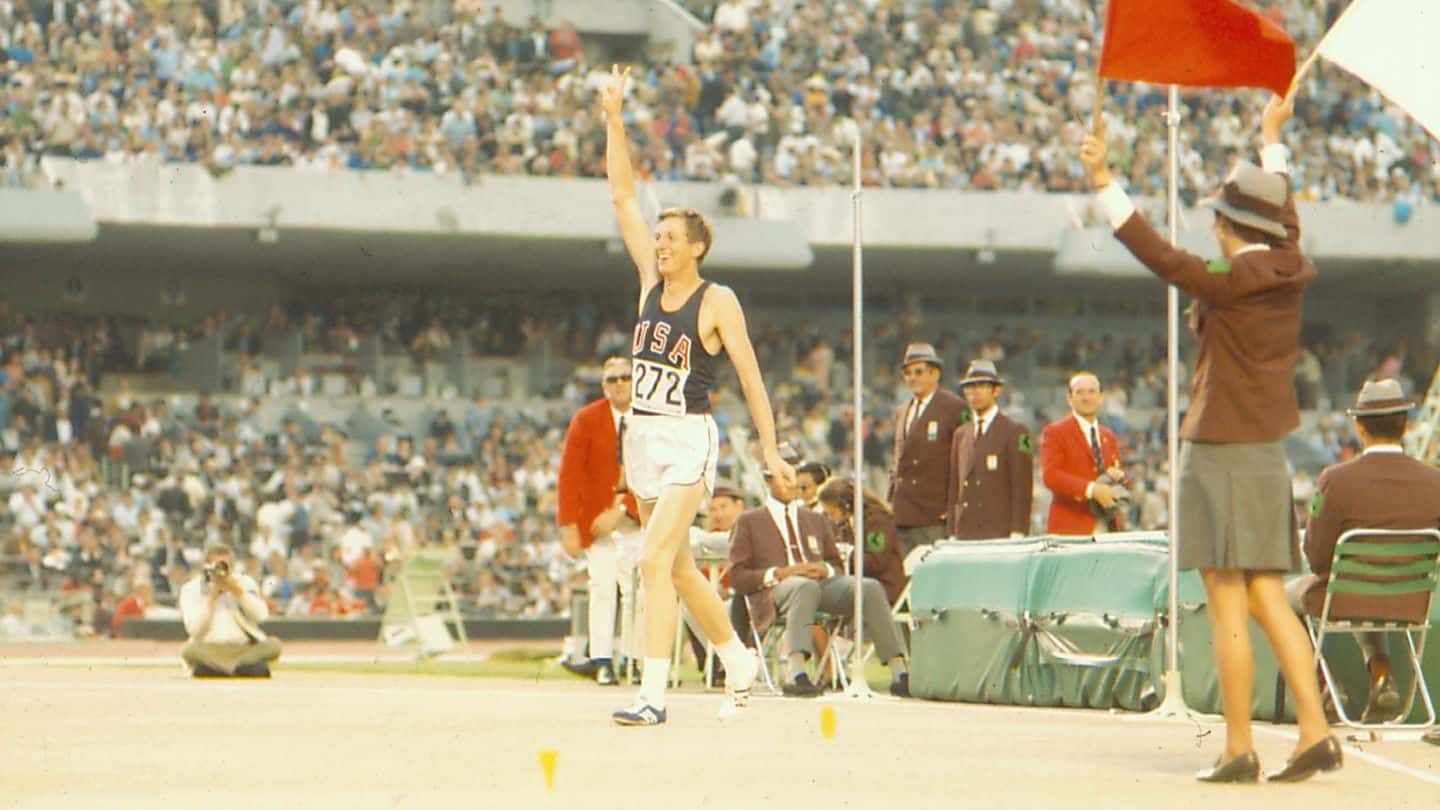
(113, 494)
(947, 95)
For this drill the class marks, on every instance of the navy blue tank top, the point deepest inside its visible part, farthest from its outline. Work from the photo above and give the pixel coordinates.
(673, 372)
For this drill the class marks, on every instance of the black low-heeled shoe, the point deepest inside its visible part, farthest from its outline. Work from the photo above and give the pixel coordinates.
(1325, 755)
(1244, 768)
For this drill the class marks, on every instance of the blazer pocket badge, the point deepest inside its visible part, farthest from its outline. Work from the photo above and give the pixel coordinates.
(813, 544)
(992, 462)
(932, 431)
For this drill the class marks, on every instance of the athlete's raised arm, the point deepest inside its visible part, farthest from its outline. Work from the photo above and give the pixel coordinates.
(633, 227)
(730, 322)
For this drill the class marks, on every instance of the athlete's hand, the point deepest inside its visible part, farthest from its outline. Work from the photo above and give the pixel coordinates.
(612, 95)
(778, 467)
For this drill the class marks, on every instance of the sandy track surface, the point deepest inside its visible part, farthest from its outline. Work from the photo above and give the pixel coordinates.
(93, 735)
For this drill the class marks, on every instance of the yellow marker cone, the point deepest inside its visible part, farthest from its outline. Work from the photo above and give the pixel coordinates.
(827, 722)
(547, 766)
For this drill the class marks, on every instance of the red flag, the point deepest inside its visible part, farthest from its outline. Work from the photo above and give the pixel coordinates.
(1195, 43)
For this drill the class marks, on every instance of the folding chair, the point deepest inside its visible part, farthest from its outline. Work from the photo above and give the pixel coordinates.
(764, 647)
(768, 647)
(1401, 564)
(841, 634)
(901, 611)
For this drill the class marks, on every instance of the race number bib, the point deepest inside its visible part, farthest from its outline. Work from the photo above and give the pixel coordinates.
(658, 388)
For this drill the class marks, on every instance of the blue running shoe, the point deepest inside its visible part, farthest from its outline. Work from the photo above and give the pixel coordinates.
(641, 714)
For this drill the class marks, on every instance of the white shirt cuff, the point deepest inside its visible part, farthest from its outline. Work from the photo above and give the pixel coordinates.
(1273, 158)
(1116, 203)
(1089, 490)
(769, 580)
(829, 570)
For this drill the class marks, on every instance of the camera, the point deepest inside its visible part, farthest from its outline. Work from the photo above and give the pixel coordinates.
(219, 568)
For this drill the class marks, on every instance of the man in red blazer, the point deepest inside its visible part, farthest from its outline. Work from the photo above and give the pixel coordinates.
(596, 516)
(1075, 451)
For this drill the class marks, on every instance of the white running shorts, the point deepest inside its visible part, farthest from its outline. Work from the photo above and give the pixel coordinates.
(662, 451)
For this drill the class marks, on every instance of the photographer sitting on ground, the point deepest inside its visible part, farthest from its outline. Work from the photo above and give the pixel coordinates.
(222, 610)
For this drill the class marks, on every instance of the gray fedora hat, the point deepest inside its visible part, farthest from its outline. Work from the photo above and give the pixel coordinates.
(1252, 196)
(1379, 398)
(922, 353)
(981, 371)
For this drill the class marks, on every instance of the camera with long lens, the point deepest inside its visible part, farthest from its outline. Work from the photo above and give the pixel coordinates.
(219, 568)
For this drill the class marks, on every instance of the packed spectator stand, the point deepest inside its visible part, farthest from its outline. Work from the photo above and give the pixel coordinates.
(114, 488)
(115, 485)
(948, 95)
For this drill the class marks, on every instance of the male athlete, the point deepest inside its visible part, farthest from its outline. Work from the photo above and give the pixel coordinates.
(670, 443)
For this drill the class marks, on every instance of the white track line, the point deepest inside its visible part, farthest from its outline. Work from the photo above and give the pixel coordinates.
(1352, 750)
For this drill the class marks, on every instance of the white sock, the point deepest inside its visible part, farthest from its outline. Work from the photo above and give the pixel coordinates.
(732, 653)
(652, 681)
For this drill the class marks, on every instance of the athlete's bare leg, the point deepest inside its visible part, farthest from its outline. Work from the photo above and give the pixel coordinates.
(666, 524)
(698, 594)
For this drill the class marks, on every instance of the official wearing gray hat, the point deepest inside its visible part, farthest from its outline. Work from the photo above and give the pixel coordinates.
(1234, 518)
(921, 353)
(1252, 197)
(1380, 398)
(981, 371)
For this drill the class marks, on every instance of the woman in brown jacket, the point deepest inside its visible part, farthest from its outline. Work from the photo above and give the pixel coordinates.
(882, 547)
(1234, 522)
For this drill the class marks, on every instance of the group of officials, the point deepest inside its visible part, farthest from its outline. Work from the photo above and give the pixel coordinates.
(964, 469)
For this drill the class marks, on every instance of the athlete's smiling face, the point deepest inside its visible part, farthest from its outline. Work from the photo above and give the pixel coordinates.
(674, 252)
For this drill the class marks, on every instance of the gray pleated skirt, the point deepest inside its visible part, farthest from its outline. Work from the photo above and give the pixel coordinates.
(1236, 508)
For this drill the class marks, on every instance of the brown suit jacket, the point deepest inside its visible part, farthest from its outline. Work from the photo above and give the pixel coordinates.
(1373, 491)
(1246, 316)
(882, 552)
(992, 481)
(758, 545)
(920, 466)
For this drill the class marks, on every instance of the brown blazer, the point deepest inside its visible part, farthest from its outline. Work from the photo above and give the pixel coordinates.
(920, 466)
(882, 552)
(1374, 491)
(757, 545)
(992, 481)
(1246, 316)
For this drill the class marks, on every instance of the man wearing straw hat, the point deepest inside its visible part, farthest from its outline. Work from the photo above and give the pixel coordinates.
(924, 429)
(1382, 488)
(1235, 521)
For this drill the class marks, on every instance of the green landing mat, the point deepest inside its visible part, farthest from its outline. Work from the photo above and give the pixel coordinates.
(1077, 622)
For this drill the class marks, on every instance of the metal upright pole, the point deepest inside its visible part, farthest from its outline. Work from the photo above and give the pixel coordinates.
(858, 688)
(1174, 703)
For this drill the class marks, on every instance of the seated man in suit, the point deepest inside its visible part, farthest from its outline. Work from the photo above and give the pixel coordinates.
(1382, 488)
(783, 558)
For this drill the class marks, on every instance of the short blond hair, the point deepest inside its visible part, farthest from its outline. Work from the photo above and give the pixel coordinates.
(697, 227)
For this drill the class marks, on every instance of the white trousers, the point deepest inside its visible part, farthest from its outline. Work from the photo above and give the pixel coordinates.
(611, 563)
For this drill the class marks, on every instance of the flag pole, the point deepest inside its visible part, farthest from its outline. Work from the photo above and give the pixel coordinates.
(858, 687)
(1173, 706)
